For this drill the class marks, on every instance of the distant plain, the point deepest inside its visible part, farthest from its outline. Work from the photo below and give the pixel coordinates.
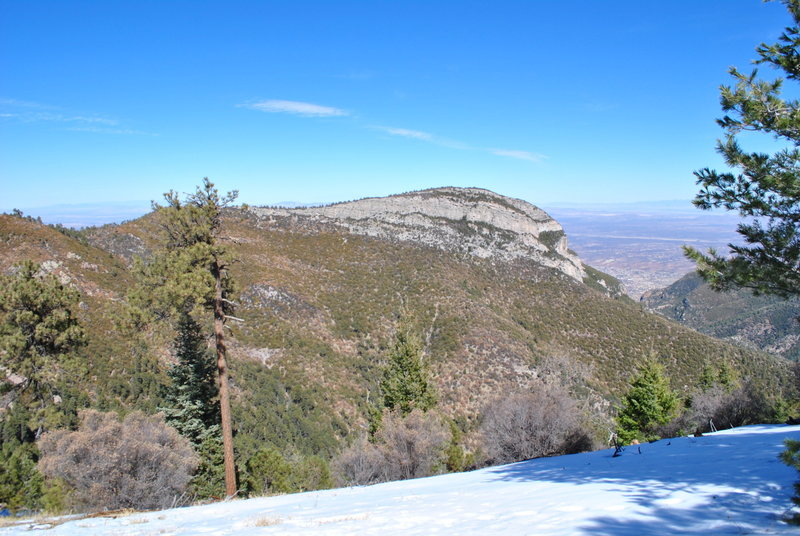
(641, 245)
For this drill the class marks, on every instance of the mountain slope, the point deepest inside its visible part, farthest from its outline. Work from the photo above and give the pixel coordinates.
(114, 370)
(766, 323)
(724, 483)
(497, 297)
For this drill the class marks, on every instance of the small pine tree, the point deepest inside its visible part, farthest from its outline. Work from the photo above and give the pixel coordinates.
(707, 378)
(190, 403)
(405, 384)
(727, 376)
(648, 404)
(192, 408)
(208, 481)
(457, 458)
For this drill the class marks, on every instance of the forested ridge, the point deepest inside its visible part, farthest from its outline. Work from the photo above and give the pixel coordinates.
(321, 311)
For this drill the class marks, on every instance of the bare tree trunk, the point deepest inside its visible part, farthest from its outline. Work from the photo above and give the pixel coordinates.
(224, 395)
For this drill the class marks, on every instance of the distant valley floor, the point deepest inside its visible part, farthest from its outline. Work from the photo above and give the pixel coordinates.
(642, 248)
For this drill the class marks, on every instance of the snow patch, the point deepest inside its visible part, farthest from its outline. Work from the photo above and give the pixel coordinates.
(730, 482)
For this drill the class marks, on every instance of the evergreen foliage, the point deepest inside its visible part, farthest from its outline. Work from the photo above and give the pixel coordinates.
(791, 457)
(457, 458)
(405, 384)
(38, 331)
(311, 473)
(275, 407)
(21, 484)
(192, 408)
(268, 472)
(190, 404)
(209, 478)
(179, 278)
(648, 404)
(39, 334)
(190, 276)
(767, 187)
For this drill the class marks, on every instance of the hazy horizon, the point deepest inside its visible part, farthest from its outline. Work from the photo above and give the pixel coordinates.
(78, 215)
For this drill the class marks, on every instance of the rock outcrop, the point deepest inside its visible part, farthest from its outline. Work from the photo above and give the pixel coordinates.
(467, 220)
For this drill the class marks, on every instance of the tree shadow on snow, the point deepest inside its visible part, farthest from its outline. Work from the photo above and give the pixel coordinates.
(718, 484)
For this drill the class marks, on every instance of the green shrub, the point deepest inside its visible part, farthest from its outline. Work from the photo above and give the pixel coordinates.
(311, 473)
(457, 457)
(791, 457)
(268, 472)
(20, 482)
(648, 404)
(209, 479)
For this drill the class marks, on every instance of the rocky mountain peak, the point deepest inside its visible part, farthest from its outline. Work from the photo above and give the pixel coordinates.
(473, 221)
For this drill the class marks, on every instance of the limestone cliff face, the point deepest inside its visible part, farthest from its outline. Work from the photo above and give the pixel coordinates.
(468, 220)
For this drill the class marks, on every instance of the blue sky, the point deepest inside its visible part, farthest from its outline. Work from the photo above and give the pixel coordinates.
(569, 101)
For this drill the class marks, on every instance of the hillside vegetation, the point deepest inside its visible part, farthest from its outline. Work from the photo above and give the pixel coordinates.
(767, 323)
(322, 297)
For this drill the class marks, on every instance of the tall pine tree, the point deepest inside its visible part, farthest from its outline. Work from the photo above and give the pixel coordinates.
(39, 331)
(190, 276)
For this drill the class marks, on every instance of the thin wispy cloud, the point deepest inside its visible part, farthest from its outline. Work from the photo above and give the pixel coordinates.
(519, 155)
(407, 133)
(62, 118)
(423, 136)
(116, 131)
(308, 109)
(21, 111)
(453, 144)
(23, 104)
(305, 109)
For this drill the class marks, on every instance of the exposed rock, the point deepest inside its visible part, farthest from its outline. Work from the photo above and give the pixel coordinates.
(268, 297)
(267, 356)
(125, 245)
(472, 221)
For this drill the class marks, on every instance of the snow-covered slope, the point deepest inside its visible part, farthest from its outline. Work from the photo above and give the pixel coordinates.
(730, 482)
